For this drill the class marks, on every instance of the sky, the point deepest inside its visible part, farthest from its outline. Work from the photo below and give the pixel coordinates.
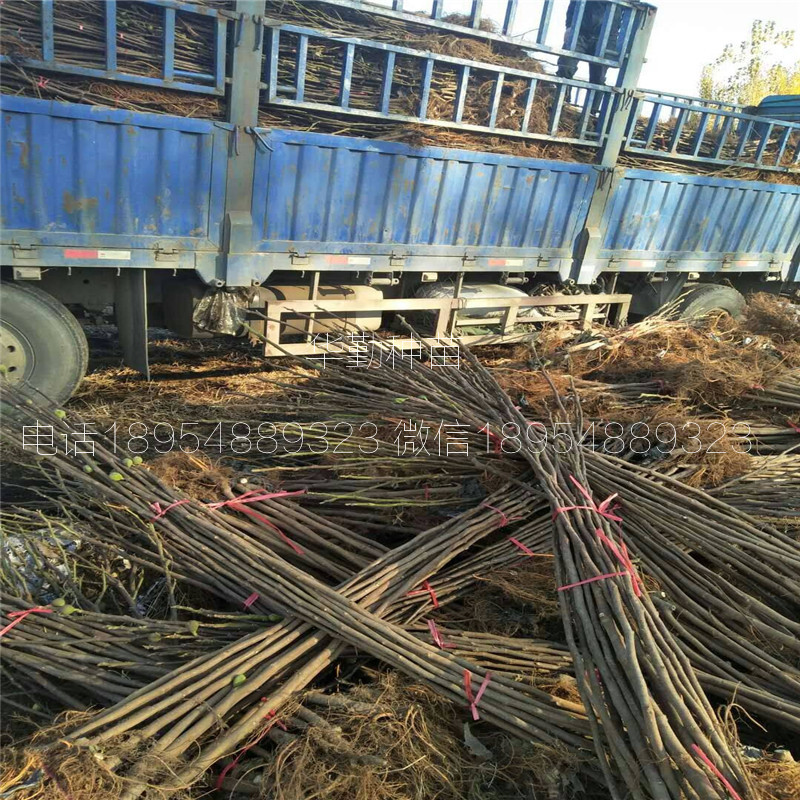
(687, 35)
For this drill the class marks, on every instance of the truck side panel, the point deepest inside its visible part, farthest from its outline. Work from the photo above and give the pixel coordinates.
(336, 194)
(82, 177)
(701, 223)
(77, 177)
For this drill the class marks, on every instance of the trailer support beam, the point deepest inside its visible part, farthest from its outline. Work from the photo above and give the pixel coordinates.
(243, 115)
(131, 313)
(585, 268)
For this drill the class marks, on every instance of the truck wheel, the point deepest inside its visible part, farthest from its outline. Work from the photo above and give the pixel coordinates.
(41, 342)
(708, 299)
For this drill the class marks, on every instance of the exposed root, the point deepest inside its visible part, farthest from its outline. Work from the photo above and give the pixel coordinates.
(780, 779)
(425, 750)
(517, 601)
(196, 475)
(45, 767)
(770, 315)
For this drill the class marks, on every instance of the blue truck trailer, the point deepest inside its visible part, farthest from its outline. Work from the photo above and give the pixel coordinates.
(196, 223)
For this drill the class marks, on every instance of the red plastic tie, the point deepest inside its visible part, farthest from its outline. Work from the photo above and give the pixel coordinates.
(43, 82)
(592, 580)
(247, 497)
(525, 549)
(437, 637)
(238, 503)
(252, 496)
(602, 509)
(160, 512)
(261, 518)
(757, 386)
(427, 492)
(426, 589)
(473, 701)
(18, 616)
(623, 558)
(250, 600)
(795, 428)
(725, 782)
(504, 520)
(247, 747)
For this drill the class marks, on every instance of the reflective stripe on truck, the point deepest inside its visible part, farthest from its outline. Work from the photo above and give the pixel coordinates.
(102, 255)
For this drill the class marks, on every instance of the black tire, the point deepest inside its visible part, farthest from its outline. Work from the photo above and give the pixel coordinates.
(41, 342)
(710, 299)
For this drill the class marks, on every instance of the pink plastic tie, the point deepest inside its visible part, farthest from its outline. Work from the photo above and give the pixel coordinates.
(473, 701)
(250, 600)
(271, 715)
(525, 549)
(602, 509)
(161, 512)
(437, 637)
(239, 503)
(426, 589)
(623, 558)
(504, 520)
(247, 747)
(592, 580)
(18, 616)
(252, 496)
(725, 782)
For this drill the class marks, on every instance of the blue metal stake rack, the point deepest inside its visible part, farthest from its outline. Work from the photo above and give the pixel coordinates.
(171, 78)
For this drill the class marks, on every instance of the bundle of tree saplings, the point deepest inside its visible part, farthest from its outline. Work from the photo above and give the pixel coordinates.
(770, 492)
(776, 623)
(634, 709)
(286, 657)
(81, 658)
(734, 543)
(782, 393)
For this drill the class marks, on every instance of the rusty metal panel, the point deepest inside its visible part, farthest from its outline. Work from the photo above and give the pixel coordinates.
(336, 194)
(660, 215)
(81, 176)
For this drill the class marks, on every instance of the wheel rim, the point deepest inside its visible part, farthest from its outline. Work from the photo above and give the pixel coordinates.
(16, 354)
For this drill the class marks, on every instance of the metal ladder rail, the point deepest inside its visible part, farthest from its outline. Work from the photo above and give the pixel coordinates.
(171, 78)
(296, 96)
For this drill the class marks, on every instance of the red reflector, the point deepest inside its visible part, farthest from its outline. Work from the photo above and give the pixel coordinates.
(80, 253)
(497, 262)
(337, 259)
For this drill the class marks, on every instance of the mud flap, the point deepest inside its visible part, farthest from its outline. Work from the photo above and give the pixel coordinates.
(131, 312)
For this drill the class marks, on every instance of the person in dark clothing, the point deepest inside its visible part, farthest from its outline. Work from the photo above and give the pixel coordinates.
(591, 29)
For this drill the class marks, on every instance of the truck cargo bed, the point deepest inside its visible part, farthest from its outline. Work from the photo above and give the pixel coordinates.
(152, 187)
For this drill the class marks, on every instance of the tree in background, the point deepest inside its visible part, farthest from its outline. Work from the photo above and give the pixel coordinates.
(755, 68)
